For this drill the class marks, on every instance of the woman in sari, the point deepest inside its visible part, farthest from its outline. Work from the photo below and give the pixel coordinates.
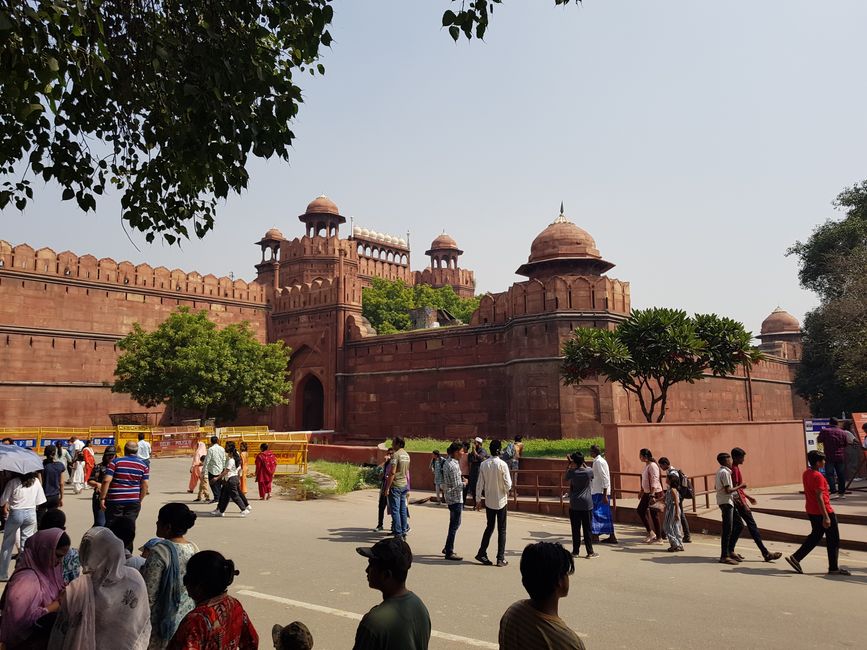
(199, 450)
(106, 607)
(164, 570)
(219, 621)
(89, 460)
(266, 465)
(242, 476)
(30, 601)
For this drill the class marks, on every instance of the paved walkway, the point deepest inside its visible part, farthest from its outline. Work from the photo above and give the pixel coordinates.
(297, 562)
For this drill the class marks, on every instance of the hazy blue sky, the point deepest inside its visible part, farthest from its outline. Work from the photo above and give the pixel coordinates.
(694, 140)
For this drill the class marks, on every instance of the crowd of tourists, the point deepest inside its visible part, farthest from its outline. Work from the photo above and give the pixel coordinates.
(170, 594)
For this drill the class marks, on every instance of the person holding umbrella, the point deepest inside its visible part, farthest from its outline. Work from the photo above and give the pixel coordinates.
(22, 494)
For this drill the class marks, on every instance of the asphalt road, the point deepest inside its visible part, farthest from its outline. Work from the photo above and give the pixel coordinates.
(298, 562)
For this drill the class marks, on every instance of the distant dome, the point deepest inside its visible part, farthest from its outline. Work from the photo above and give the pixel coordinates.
(273, 233)
(401, 242)
(356, 230)
(388, 239)
(443, 242)
(365, 232)
(322, 205)
(563, 247)
(780, 322)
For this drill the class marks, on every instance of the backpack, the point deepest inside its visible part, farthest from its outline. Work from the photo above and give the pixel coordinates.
(509, 452)
(685, 485)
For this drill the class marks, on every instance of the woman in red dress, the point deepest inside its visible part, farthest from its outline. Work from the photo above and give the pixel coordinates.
(266, 465)
(89, 460)
(218, 621)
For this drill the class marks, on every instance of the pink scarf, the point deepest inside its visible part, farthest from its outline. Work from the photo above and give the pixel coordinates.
(39, 556)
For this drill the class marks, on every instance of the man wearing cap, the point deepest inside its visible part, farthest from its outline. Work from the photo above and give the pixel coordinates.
(401, 621)
(125, 485)
(477, 456)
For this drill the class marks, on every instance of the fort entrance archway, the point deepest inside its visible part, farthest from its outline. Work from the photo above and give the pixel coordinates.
(310, 415)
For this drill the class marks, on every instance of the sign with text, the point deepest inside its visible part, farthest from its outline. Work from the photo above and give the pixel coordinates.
(812, 428)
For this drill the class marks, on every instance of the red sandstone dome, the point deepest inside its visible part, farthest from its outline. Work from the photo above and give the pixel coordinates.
(274, 233)
(443, 242)
(564, 248)
(322, 205)
(780, 322)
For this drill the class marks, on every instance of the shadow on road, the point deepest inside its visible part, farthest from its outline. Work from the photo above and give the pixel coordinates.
(354, 535)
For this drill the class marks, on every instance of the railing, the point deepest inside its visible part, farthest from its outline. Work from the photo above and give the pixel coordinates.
(561, 488)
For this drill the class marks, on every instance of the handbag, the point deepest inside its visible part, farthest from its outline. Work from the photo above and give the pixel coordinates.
(657, 501)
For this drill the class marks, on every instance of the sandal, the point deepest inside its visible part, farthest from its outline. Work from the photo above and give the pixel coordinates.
(840, 572)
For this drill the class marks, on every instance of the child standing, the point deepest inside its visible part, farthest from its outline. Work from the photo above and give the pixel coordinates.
(436, 466)
(203, 481)
(671, 523)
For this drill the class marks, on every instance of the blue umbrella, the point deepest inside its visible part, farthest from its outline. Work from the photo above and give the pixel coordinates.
(19, 460)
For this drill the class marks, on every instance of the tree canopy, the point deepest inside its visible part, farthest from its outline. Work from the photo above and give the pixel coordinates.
(832, 375)
(188, 362)
(656, 348)
(387, 304)
(164, 101)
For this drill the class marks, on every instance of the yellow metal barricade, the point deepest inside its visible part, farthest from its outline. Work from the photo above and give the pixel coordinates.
(291, 455)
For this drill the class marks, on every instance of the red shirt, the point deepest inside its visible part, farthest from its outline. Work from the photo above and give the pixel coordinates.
(737, 479)
(813, 481)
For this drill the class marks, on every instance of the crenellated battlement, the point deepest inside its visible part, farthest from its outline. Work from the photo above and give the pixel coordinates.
(319, 293)
(316, 246)
(557, 293)
(25, 259)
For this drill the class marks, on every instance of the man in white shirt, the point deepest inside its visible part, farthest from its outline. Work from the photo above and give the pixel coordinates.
(495, 481)
(76, 444)
(731, 525)
(215, 463)
(600, 489)
(144, 449)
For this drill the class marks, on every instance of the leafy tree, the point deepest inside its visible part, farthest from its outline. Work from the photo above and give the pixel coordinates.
(187, 362)
(164, 100)
(387, 304)
(656, 348)
(832, 375)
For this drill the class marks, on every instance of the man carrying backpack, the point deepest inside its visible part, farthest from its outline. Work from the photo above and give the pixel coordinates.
(512, 453)
(742, 506)
(685, 491)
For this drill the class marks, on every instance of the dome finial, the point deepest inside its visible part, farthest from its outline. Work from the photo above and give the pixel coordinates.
(562, 217)
(561, 207)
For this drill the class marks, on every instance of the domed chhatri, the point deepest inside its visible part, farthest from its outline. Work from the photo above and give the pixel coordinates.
(322, 205)
(564, 248)
(274, 233)
(780, 322)
(443, 244)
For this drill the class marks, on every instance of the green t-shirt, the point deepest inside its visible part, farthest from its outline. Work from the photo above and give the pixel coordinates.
(399, 623)
(401, 466)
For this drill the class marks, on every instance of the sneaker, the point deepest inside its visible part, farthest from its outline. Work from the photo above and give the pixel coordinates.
(248, 510)
(484, 559)
(609, 540)
(379, 529)
(671, 549)
(216, 513)
(454, 557)
(730, 561)
(770, 557)
(590, 556)
(687, 540)
(244, 513)
(794, 563)
(502, 563)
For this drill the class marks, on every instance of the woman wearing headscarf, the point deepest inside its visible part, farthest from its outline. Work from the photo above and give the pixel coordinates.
(95, 481)
(199, 450)
(107, 606)
(30, 600)
(266, 465)
(164, 571)
(218, 621)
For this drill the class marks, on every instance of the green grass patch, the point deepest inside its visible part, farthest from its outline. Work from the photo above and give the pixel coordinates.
(348, 477)
(533, 447)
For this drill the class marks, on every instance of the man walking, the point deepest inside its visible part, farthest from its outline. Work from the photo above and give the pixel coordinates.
(453, 486)
(144, 449)
(535, 624)
(215, 463)
(397, 488)
(731, 525)
(401, 621)
(742, 502)
(600, 489)
(834, 441)
(684, 492)
(125, 485)
(817, 497)
(477, 456)
(495, 481)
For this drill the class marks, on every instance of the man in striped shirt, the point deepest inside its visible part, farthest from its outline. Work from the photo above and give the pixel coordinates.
(125, 485)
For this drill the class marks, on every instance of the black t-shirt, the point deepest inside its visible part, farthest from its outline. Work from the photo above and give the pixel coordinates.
(51, 478)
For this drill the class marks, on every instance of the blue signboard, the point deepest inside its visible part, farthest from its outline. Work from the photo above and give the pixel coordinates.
(27, 443)
(102, 442)
(811, 431)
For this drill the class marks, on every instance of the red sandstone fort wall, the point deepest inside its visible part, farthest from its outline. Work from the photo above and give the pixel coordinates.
(60, 318)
